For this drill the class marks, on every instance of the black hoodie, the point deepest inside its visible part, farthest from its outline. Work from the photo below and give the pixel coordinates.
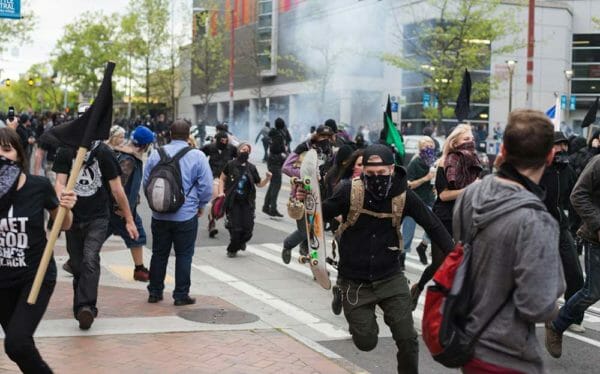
(365, 253)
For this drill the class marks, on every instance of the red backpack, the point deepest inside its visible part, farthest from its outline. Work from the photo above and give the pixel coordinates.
(447, 308)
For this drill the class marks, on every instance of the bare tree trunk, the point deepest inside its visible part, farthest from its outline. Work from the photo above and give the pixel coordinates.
(147, 84)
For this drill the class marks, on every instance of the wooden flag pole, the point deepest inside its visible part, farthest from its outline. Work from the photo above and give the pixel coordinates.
(58, 221)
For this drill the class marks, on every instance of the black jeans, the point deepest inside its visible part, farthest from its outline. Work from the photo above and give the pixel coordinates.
(570, 262)
(182, 237)
(437, 257)
(84, 242)
(265, 143)
(19, 321)
(240, 223)
(274, 165)
(392, 296)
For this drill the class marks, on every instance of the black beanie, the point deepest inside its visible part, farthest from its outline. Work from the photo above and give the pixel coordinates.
(332, 125)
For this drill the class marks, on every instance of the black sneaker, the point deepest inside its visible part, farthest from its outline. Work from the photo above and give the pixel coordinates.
(85, 316)
(67, 267)
(152, 299)
(275, 213)
(185, 301)
(266, 210)
(212, 233)
(286, 255)
(336, 303)
(231, 254)
(422, 251)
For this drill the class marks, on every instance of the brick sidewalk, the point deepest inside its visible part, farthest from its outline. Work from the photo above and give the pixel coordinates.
(222, 351)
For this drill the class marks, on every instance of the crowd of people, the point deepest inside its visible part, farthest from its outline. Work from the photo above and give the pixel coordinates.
(528, 222)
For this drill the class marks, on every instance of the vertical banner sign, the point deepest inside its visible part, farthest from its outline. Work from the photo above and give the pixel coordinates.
(563, 102)
(10, 9)
(426, 100)
(572, 103)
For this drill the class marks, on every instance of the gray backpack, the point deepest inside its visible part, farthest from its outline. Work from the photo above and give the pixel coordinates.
(164, 190)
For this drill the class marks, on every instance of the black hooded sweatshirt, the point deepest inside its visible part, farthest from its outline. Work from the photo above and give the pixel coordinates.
(365, 253)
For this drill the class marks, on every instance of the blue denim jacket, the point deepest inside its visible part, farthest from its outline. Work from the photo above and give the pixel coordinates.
(196, 177)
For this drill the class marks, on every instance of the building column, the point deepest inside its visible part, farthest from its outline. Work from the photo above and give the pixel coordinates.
(220, 112)
(345, 107)
(292, 111)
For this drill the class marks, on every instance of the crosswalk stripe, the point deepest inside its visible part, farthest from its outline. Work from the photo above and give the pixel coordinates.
(286, 308)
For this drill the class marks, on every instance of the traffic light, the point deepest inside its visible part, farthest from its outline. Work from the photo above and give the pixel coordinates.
(7, 82)
(30, 82)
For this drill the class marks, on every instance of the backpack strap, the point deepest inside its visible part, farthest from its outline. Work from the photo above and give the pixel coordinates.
(182, 152)
(357, 198)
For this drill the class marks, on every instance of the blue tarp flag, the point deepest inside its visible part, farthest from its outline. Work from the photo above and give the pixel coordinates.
(551, 113)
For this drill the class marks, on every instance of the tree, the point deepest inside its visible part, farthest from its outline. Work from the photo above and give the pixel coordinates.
(12, 30)
(146, 33)
(459, 36)
(81, 54)
(209, 65)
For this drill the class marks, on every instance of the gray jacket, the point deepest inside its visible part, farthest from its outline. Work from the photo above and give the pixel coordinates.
(585, 198)
(514, 251)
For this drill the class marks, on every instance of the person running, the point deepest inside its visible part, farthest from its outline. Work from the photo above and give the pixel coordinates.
(263, 135)
(456, 169)
(99, 177)
(515, 273)
(369, 269)
(322, 142)
(586, 201)
(219, 154)
(419, 174)
(279, 148)
(23, 200)
(237, 185)
(130, 156)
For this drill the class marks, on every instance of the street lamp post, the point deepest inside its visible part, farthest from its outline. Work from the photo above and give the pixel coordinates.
(569, 76)
(231, 65)
(511, 71)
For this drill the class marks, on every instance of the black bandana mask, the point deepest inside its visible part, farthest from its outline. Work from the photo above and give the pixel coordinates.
(323, 146)
(378, 185)
(9, 178)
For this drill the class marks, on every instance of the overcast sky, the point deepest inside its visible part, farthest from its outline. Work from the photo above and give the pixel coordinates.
(51, 16)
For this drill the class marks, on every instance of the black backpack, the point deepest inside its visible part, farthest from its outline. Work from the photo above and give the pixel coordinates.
(277, 142)
(164, 190)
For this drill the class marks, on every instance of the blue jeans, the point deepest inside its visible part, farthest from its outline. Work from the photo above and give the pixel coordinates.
(408, 232)
(182, 236)
(575, 307)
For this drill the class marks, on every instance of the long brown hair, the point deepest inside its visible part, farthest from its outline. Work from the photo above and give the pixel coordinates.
(9, 137)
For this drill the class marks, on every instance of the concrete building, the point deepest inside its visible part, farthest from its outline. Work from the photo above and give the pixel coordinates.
(320, 59)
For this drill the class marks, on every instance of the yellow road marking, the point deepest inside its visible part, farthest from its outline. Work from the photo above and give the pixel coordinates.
(126, 273)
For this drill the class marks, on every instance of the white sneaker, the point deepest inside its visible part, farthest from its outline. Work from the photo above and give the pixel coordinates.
(577, 328)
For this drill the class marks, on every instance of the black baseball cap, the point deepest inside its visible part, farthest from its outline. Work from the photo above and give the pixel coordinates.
(384, 152)
(324, 130)
(559, 137)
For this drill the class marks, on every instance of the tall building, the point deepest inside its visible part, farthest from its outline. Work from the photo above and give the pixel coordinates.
(309, 60)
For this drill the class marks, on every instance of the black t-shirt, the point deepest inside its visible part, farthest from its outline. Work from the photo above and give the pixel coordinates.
(241, 179)
(442, 209)
(417, 169)
(23, 234)
(92, 188)
(218, 158)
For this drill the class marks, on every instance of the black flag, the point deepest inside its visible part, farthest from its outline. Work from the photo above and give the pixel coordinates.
(464, 98)
(94, 124)
(590, 117)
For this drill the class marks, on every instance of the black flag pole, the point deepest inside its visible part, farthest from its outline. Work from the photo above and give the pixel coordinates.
(79, 134)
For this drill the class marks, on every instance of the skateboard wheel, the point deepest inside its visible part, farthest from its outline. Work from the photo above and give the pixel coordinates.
(314, 262)
(307, 181)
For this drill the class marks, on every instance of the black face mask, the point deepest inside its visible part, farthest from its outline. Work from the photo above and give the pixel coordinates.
(323, 146)
(221, 146)
(378, 185)
(9, 179)
(243, 157)
(561, 157)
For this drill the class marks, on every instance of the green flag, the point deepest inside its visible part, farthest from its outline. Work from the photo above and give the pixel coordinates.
(390, 132)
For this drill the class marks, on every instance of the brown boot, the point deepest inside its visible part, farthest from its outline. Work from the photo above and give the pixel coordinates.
(553, 341)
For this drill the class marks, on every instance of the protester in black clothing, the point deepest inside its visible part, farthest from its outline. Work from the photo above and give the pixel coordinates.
(263, 135)
(26, 134)
(219, 154)
(23, 200)
(279, 147)
(369, 271)
(359, 142)
(558, 180)
(338, 139)
(237, 183)
(98, 178)
(456, 169)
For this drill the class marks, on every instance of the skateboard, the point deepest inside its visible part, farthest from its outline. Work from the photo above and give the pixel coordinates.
(313, 217)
